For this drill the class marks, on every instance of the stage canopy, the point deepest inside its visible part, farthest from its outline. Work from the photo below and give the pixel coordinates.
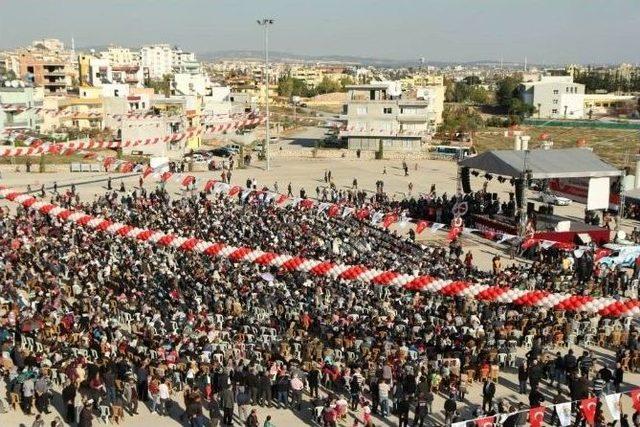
(633, 194)
(543, 164)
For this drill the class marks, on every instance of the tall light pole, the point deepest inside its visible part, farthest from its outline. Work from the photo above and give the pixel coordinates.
(265, 23)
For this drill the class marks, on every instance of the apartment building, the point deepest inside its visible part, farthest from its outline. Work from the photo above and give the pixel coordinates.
(554, 97)
(185, 62)
(381, 114)
(121, 56)
(47, 71)
(156, 60)
(17, 116)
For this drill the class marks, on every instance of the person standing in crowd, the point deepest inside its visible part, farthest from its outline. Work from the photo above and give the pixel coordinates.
(488, 392)
(227, 406)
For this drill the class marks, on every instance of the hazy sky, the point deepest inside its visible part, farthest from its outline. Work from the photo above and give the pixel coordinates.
(586, 31)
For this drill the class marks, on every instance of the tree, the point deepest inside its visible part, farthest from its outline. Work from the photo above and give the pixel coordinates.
(162, 86)
(507, 90)
(460, 119)
(472, 80)
(328, 85)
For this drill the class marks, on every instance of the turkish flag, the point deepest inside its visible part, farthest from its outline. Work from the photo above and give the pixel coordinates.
(147, 171)
(126, 167)
(189, 179)
(529, 243)
(588, 408)
(488, 234)
(306, 203)
(333, 210)
(165, 176)
(420, 226)
(362, 214)
(389, 219)
(485, 422)
(281, 199)
(108, 162)
(234, 190)
(209, 185)
(453, 233)
(635, 398)
(536, 416)
(601, 253)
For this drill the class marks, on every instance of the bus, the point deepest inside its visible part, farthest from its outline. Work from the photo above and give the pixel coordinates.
(453, 152)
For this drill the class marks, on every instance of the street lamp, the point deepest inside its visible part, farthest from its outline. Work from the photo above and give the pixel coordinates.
(265, 23)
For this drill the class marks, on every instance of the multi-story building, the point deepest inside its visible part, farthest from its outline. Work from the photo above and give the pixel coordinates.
(554, 97)
(17, 114)
(380, 114)
(47, 71)
(185, 62)
(156, 60)
(161, 59)
(121, 56)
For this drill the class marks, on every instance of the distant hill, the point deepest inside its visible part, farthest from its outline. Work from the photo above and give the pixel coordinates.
(342, 59)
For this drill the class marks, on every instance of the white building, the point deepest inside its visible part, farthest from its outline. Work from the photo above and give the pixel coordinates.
(156, 60)
(121, 56)
(18, 115)
(185, 62)
(381, 114)
(190, 84)
(161, 59)
(554, 97)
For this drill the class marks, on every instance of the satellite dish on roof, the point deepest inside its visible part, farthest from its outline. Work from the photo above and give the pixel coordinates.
(15, 83)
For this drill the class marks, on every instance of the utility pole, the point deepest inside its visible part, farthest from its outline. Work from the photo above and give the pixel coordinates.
(265, 23)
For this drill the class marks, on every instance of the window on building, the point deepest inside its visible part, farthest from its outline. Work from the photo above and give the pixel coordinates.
(555, 91)
(361, 111)
(387, 110)
(554, 111)
(555, 101)
(567, 89)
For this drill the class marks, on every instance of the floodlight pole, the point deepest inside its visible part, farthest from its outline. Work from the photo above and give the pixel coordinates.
(265, 23)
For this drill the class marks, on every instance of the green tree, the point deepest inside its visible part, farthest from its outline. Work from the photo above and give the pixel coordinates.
(328, 85)
(460, 119)
(507, 90)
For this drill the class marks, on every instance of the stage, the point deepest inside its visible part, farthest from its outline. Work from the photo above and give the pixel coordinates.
(572, 231)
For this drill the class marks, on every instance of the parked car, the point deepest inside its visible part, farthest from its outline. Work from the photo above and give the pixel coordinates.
(554, 199)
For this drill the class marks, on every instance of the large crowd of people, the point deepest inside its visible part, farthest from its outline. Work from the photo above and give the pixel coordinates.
(107, 324)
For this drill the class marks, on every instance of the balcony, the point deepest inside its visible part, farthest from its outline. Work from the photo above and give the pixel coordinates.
(413, 118)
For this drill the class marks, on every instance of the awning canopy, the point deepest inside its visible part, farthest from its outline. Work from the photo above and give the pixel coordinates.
(543, 164)
(633, 194)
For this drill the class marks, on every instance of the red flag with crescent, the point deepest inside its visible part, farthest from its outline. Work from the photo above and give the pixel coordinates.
(635, 398)
(588, 408)
(362, 213)
(389, 219)
(234, 190)
(306, 203)
(165, 176)
(108, 162)
(148, 170)
(529, 243)
(126, 167)
(209, 185)
(488, 234)
(188, 180)
(421, 226)
(281, 199)
(536, 416)
(453, 233)
(334, 210)
(485, 422)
